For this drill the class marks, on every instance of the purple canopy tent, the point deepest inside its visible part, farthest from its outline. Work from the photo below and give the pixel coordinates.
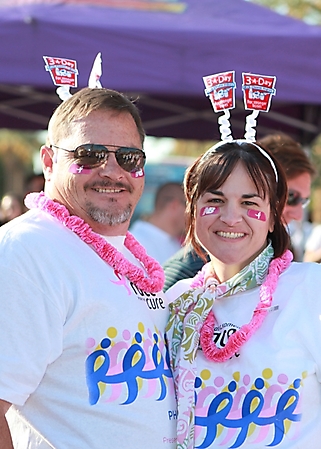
(159, 51)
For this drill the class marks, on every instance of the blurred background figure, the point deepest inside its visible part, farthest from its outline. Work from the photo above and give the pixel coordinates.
(299, 173)
(11, 206)
(12, 203)
(34, 183)
(162, 232)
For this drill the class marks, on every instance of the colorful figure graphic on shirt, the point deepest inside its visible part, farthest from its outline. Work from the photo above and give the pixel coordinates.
(262, 411)
(144, 366)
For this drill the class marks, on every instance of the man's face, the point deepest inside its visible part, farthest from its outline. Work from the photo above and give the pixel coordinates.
(299, 186)
(105, 197)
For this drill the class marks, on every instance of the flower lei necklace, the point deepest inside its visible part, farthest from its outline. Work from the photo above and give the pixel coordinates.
(236, 340)
(155, 280)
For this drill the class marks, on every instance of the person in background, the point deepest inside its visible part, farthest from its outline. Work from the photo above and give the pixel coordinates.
(244, 333)
(299, 174)
(162, 232)
(11, 206)
(83, 359)
(34, 183)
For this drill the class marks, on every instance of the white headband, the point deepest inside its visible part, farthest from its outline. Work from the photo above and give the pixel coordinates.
(238, 142)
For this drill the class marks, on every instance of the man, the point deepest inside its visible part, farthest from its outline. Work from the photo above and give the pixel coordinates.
(299, 173)
(83, 358)
(162, 232)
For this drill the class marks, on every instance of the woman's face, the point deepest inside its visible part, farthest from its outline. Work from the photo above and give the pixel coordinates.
(232, 223)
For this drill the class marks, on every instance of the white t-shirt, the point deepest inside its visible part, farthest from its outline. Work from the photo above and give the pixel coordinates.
(82, 349)
(158, 243)
(313, 243)
(269, 394)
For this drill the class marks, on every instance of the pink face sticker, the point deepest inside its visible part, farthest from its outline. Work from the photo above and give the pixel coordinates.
(209, 210)
(257, 214)
(138, 174)
(77, 169)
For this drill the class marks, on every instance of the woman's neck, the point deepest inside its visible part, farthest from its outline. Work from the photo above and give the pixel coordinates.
(222, 271)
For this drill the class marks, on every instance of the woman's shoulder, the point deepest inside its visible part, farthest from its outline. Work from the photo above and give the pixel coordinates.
(299, 272)
(305, 267)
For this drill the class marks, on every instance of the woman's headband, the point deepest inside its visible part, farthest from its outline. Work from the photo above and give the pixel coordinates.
(257, 95)
(240, 141)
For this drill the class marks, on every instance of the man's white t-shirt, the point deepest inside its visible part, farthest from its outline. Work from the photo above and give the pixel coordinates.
(82, 357)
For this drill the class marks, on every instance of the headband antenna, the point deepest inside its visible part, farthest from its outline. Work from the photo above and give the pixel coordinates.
(220, 88)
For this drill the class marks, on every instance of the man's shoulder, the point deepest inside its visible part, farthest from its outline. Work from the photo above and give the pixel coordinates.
(31, 228)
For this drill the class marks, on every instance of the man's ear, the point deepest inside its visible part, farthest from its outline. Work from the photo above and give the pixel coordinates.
(47, 156)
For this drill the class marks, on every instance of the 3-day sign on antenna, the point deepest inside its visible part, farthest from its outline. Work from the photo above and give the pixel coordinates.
(258, 91)
(63, 71)
(220, 88)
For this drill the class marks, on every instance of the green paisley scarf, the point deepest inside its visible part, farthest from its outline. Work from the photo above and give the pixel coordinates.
(187, 315)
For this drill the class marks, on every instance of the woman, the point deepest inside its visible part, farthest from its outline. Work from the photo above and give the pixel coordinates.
(244, 333)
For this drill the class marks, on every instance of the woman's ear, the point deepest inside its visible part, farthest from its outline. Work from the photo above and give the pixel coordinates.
(48, 158)
(272, 221)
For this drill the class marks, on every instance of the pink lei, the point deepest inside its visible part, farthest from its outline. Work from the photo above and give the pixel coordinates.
(155, 280)
(236, 340)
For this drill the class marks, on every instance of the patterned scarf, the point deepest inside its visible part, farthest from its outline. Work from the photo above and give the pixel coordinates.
(187, 316)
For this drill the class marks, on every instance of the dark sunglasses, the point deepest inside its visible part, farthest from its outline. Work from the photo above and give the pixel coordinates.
(294, 199)
(93, 155)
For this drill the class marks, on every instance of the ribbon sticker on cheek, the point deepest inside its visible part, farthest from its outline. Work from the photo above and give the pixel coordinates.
(257, 214)
(138, 174)
(209, 210)
(77, 169)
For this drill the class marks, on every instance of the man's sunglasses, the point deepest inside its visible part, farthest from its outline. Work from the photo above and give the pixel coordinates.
(92, 155)
(294, 199)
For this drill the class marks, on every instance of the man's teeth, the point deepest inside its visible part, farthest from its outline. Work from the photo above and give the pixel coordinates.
(108, 190)
(230, 235)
